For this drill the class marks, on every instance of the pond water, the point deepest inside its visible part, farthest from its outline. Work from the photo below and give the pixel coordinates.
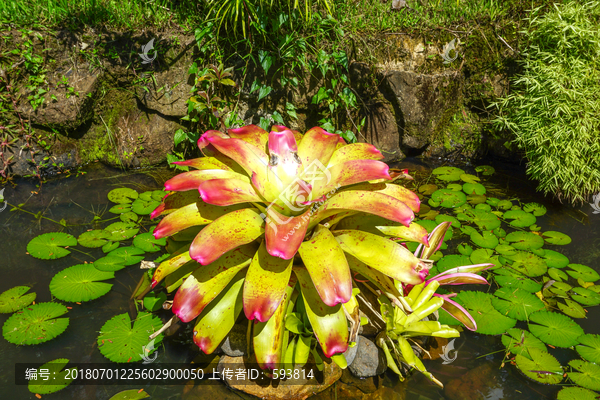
(78, 199)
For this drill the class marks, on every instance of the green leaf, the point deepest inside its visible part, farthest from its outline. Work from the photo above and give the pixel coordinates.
(427, 189)
(542, 367)
(120, 342)
(474, 188)
(557, 274)
(451, 261)
(179, 136)
(121, 231)
(504, 204)
(266, 60)
(486, 220)
(520, 218)
(122, 195)
(154, 301)
(576, 393)
(485, 239)
(144, 206)
(554, 237)
(465, 249)
(519, 341)
(482, 256)
(507, 278)
(94, 239)
(264, 91)
(148, 243)
(110, 246)
(535, 208)
(131, 394)
(79, 283)
(555, 329)
(447, 218)
(120, 208)
(524, 240)
(527, 263)
(583, 272)
(46, 246)
(109, 264)
(129, 217)
(56, 374)
(14, 299)
(448, 173)
(588, 375)
(555, 259)
(589, 347)
(35, 324)
(485, 169)
(489, 320)
(585, 296)
(469, 179)
(448, 198)
(130, 255)
(516, 303)
(572, 309)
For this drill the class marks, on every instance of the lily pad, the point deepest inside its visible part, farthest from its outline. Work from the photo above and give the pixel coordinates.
(542, 367)
(465, 249)
(447, 218)
(524, 240)
(485, 239)
(555, 259)
(455, 187)
(554, 237)
(572, 309)
(56, 374)
(557, 274)
(520, 218)
(483, 207)
(576, 393)
(527, 263)
(505, 250)
(486, 220)
(121, 231)
(109, 264)
(521, 282)
(482, 256)
(120, 342)
(588, 375)
(468, 178)
(131, 394)
(448, 173)
(555, 329)
(110, 246)
(448, 198)
(94, 239)
(35, 324)
(485, 169)
(154, 301)
(427, 224)
(120, 208)
(427, 189)
(474, 188)
(158, 195)
(129, 217)
(476, 199)
(143, 206)
(535, 208)
(452, 261)
(14, 299)
(130, 254)
(504, 204)
(489, 320)
(589, 347)
(148, 243)
(519, 341)
(122, 195)
(585, 296)
(516, 303)
(49, 246)
(583, 272)
(79, 283)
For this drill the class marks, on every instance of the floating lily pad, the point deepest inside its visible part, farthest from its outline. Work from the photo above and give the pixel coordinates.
(505, 250)
(492, 201)
(476, 199)
(589, 347)
(122, 195)
(427, 224)
(465, 249)
(520, 218)
(447, 218)
(483, 256)
(94, 239)
(55, 374)
(485, 169)
(572, 309)
(120, 342)
(474, 188)
(583, 272)
(120, 208)
(110, 246)
(448, 198)
(527, 263)
(467, 230)
(455, 187)
(35, 324)
(131, 394)
(585, 296)
(489, 320)
(154, 301)
(501, 233)
(427, 189)
(49, 246)
(14, 299)
(452, 261)
(555, 259)
(468, 178)
(557, 274)
(515, 281)
(129, 217)
(121, 231)
(504, 204)
(588, 375)
(542, 367)
(483, 207)
(158, 195)
(555, 329)
(130, 254)
(144, 206)
(524, 240)
(535, 208)
(576, 393)
(516, 303)
(485, 239)
(519, 341)
(448, 173)
(148, 243)
(109, 264)
(486, 220)
(554, 237)
(80, 283)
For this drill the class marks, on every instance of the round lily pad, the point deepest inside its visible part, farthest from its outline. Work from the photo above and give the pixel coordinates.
(448, 198)
(557, 274)
(109, 264)
(455, 187)
(120, 342)
(57, 376)
(148, 243)
(158, 195)
(515, 281)
(585, 296)
(427, 189)
(583, 272)
(476, 199)
(447, 218)
(465, 249)
(554, 237)
(121, 231)
(110, 246)
(542, 367)
(79, 283)
(588, 375)
(489, 320)
(504, 204)
(524, 240)
(485, 169)
(483, 207)
(520, 218)
(130, 254)
(94, 239)
(35, 324)
(589, 347)
(576, 393)
(154, 301)
(572, 309)
(555, 259)
(122, 195)
(555, 329)
(505, 250)
(452, 261)
(527, 263)
(516, 303)
(120, 208)
(448, 173)
(131, 394)
(485, 239)
(49, 246)
(519, 341)
(144, 204)
(486, 220)
(535, 208)
(14, 299)
(427, 224)
(469, 178)
(129, 217)
(483, 256)
(474, 188)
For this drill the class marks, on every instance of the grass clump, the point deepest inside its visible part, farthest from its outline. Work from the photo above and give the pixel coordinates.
(554, 107)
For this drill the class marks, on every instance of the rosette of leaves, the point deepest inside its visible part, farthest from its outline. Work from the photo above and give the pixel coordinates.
(272, 205)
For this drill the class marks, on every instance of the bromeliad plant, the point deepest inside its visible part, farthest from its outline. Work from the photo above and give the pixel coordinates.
(261, 209)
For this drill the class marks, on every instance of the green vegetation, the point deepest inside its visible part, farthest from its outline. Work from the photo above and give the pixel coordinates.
(553, 107)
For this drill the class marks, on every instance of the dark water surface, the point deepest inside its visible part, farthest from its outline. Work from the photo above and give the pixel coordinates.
(78, 199)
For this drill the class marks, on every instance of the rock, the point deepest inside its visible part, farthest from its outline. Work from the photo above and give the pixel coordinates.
(290, 389)
(350, 353)
(369, 361)
(382, 131)
(476, 384)
(234, 344)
